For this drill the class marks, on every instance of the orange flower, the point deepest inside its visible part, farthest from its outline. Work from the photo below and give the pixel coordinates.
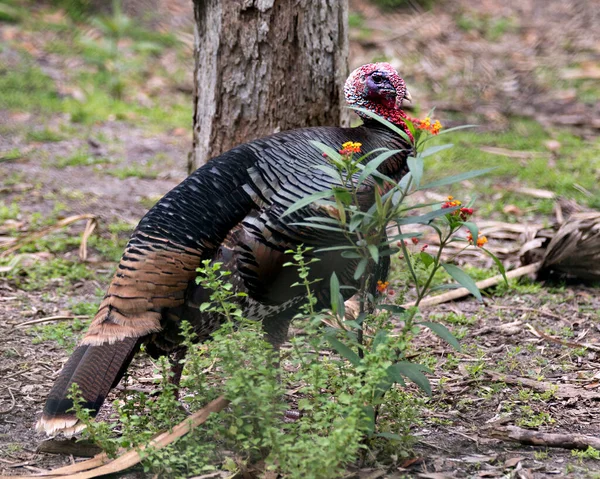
(481, 240)
(425, 124)
(451, 203)
(350, 147)
(382, 286)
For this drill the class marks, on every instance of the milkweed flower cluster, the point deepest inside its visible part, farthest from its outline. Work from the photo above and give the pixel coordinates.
(463, 213)
(382, 286)
(350, 147)
(427, 125)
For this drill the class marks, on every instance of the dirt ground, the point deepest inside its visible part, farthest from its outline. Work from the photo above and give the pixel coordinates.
(531, 353)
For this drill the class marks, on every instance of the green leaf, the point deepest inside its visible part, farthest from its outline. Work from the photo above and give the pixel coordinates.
(414, 373)
(427, 217)
(461, 127)
(352, 324)
(329, 171)
(456, 178)
(322, 219)
(334, 248)
(390, 435)
(395, 376)
(463, 278)
(393, 308)
(342, 194)
(307, 200)
(383, 121)
(355, 222)
(337, 300)
(330, 152)
(369, 413)
(426, 258)
(443, 332)
(498, 264)
(320, 227)
(473, 229)
(415, 165)
(351, 255)
(372, 165)
(343, 350)
(379, 338)
(374, 252)
(432, 150)
(360, 268)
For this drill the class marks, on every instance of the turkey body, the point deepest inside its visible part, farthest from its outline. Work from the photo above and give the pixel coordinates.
(230, 210)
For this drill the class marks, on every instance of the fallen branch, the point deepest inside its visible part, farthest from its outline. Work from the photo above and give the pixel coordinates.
(559, 390)
(486, 283)
(537, 438)
(100, 465)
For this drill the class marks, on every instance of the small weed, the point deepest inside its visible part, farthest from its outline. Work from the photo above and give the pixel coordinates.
(64, 333)
(132, 172)
(85, 308)
(57, 272)
(44, 135)
(79, 158)
(149, 201)
(541, 455)
(589, 453)
(9, 212)
(11, 155)
(10, 353)
(532, 419)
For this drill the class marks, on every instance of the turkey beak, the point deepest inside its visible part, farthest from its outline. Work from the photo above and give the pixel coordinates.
(407, 96)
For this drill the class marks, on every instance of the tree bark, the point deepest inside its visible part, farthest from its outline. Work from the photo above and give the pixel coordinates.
(264, 66)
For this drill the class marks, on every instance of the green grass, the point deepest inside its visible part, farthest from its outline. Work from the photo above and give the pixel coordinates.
(79, 158)
(44, 135)
(64, 333)
(132, 171)
(9, 211)
(572, 173)
(57, 273)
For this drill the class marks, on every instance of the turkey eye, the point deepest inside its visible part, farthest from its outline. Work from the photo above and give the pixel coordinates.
(377, 78)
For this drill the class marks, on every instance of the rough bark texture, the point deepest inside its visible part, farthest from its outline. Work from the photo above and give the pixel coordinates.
(264, 66)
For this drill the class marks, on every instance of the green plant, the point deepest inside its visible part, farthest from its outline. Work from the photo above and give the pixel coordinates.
(64, 333)
(352, 402)
(589, 453)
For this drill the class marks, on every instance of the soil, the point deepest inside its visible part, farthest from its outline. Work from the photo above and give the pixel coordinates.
(548, 334)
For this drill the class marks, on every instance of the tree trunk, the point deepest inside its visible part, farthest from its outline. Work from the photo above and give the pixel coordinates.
(264, 66)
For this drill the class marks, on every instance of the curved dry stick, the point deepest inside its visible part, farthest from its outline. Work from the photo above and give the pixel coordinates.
(486, 283)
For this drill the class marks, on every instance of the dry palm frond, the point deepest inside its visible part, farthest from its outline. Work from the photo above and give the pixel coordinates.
(574, 250)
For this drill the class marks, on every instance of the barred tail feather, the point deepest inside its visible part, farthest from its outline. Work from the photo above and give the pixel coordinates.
(96, 370)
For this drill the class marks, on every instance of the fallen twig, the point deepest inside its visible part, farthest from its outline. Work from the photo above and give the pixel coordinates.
(537, 438)
(486, 283)
(90, 226)
(559, 390)
(531, 310)
(562, 342)
(12, 406)
(50, 318)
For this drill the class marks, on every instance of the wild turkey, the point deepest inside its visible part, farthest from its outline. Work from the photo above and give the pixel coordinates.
(229, 210)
